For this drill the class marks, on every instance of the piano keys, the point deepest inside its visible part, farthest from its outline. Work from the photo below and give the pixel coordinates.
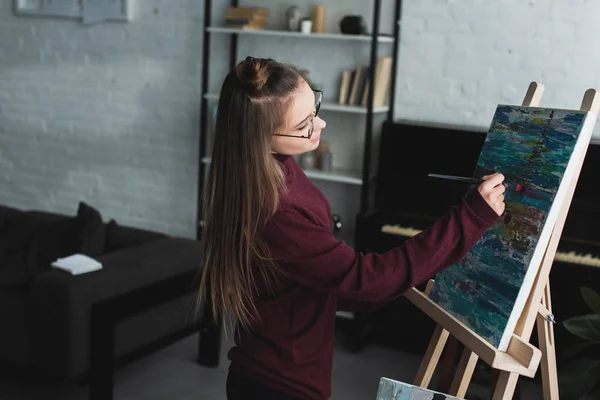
(567, 257)
(578, 258)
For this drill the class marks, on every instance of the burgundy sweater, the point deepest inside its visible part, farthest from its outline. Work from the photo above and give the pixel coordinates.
(291, 348)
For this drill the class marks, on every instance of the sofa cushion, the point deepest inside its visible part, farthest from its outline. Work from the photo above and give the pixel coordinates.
(120, 237)
(6, 211)
(18, 230)
(92, 231)
(31, 241)
(16, 235)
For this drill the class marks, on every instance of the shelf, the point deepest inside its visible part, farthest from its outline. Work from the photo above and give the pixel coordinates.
(328, 106)
(282, 33)
(352, 109)
(336, 175)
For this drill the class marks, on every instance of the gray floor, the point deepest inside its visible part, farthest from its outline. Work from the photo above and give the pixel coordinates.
(173, 374)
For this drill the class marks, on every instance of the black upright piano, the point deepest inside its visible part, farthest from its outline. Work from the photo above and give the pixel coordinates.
(407, 201)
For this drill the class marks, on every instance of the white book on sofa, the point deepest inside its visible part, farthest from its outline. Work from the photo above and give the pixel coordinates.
(77, 264)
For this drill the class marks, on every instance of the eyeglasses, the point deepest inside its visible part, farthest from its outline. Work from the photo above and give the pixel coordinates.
(318, 99)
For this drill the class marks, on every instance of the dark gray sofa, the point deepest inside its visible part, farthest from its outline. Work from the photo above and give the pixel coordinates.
(46, 314)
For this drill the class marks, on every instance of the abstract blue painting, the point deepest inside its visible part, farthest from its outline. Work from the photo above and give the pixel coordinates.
(390, 389)
(532, 147)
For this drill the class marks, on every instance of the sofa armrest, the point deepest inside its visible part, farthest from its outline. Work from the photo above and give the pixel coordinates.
(62, 302)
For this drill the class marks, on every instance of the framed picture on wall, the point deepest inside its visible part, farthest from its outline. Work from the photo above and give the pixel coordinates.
(88, 11)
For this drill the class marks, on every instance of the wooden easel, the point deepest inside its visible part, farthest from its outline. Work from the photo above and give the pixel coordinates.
(521, 358)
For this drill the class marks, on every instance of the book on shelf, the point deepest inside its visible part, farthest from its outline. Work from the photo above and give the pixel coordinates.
(260, 21)
(244, 25)
(358, 83)
(383, 81)
(251, 18)
(354, 84)
(365, 94)
(247, 18)
(345, 86)
(383, 76)
(237, 12)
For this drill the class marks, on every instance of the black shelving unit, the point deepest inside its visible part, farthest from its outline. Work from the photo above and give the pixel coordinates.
(367, 178)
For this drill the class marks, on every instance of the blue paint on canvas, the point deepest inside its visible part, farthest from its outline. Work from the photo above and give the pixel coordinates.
(390, 389)
(531, 147)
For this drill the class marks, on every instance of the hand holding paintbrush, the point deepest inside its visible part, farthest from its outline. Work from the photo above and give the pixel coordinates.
(491, 188)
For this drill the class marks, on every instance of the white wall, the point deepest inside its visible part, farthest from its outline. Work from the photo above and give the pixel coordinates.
(108, 114)
(460, 58)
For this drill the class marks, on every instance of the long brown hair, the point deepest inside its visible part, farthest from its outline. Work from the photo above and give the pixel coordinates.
(244, 186)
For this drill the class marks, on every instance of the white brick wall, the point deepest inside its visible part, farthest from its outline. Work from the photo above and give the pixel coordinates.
(460, 58)
(108, 114)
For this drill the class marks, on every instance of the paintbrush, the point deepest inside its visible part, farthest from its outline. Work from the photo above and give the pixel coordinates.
(473, 181)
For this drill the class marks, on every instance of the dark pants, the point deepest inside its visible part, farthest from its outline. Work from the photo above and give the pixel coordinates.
(241, 388)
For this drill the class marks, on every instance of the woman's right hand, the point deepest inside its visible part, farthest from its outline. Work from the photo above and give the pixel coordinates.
(492, 190)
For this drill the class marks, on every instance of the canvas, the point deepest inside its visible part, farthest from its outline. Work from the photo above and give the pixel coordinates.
(390, 389)
(532, 147)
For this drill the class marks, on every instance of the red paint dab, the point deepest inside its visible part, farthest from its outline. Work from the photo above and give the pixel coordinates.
(519, 188)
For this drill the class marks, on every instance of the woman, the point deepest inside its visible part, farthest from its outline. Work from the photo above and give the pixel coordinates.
(271, 260)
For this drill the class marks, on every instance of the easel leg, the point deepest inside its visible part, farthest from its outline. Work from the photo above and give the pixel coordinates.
(450, 357)
(432, 356)
(546, 340)
(507, 382)
(464, 373)
(506, 385)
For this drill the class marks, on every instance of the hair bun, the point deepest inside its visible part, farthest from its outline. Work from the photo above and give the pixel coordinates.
(253, 73)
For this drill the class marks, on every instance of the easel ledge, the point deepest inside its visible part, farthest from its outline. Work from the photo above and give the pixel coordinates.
(521, 358)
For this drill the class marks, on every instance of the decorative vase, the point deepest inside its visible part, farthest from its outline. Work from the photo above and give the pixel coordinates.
(353, 25)
(318, 19)
(292, 16)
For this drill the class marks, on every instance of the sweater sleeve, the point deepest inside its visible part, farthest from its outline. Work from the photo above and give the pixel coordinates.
(311, 255)
(344, 304)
